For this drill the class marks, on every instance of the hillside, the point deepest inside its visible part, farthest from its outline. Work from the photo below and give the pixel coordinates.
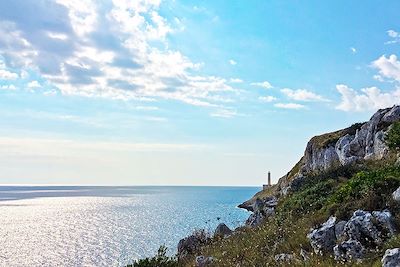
(339, 205)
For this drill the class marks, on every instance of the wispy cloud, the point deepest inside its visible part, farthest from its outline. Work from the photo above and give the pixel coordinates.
(235, 80)
(232, 62)
(289, 106)
(395, 37)
(224, 113)
(8, 87)
(36, 147)
(302, 95)
(34, 84)
(264, 84)
(267, 98)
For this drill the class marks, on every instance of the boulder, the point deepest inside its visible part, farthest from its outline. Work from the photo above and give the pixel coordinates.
(349, 250)
(339, 228)
(369, 229)
(396, 194)
(283, 257)
(391, 258)
(191, 244)
(222, 230)
(323, 239)
(385, 222)
(202, 261)
(261, 210)
(304, 255)
(255, 219)
(360, 227)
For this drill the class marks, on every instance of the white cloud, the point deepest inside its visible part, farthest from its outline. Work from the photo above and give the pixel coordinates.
(232, 62)
(34, 84)
(235, 80)
(378, 78)
(367, 99)
(302, 95)
(394, 35)
(8, 87)
(267, 99)
(149, 108)
(224, 113)
(353, 50)
(264, 84)
(289, 106)
(117, 51)
(7, 75)
(388, 67)
(59, 36)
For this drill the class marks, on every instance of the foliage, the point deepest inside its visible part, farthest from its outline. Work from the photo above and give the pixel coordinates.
(393, 136)
(339, 191)
(367, 189)
(160, 260)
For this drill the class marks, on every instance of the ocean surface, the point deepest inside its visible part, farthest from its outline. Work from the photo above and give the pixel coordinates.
(107, 226)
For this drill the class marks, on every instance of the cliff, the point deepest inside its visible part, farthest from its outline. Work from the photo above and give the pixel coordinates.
(355, 144)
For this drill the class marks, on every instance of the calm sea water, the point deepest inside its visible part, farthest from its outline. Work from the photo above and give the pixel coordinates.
(107, 226)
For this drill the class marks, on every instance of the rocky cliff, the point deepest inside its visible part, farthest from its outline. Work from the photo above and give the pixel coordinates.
(357, 143)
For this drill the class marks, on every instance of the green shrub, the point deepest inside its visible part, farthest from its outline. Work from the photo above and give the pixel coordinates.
(393, 136)
(369, 190)
(160, 260)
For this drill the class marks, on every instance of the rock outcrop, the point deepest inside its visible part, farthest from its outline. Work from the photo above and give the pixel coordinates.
(396, 195)
(391, 258)
(369, 228)
(323, 238)
(284, 258)
(349, 250)
(202, 261)
(222, 230)
(191, 245)
(261, 210)
(352, 239)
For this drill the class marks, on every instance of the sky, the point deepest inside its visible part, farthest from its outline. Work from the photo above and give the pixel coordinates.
(181, 92)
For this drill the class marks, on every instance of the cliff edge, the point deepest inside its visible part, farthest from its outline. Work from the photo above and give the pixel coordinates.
(355, 144)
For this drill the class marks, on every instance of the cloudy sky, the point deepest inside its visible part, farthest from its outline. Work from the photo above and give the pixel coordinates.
(185, 92)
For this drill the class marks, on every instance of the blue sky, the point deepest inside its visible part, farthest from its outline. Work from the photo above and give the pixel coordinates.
(185, 92)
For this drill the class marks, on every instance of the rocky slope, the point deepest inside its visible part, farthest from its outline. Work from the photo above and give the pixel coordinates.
(357, 143)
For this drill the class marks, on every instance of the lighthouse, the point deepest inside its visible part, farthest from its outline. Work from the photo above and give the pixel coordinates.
(265, 186)
(269, 178)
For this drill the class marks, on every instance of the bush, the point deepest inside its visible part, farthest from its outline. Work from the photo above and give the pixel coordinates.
(393, 136)
(160, 260)
(367, 190)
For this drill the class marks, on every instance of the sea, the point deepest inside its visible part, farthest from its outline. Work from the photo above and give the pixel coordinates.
(108, 226)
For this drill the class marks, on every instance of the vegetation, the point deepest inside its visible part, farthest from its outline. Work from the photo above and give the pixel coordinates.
(340, 192)
(393, 136)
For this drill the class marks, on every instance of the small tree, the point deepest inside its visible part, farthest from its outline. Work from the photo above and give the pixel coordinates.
(393, 136)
